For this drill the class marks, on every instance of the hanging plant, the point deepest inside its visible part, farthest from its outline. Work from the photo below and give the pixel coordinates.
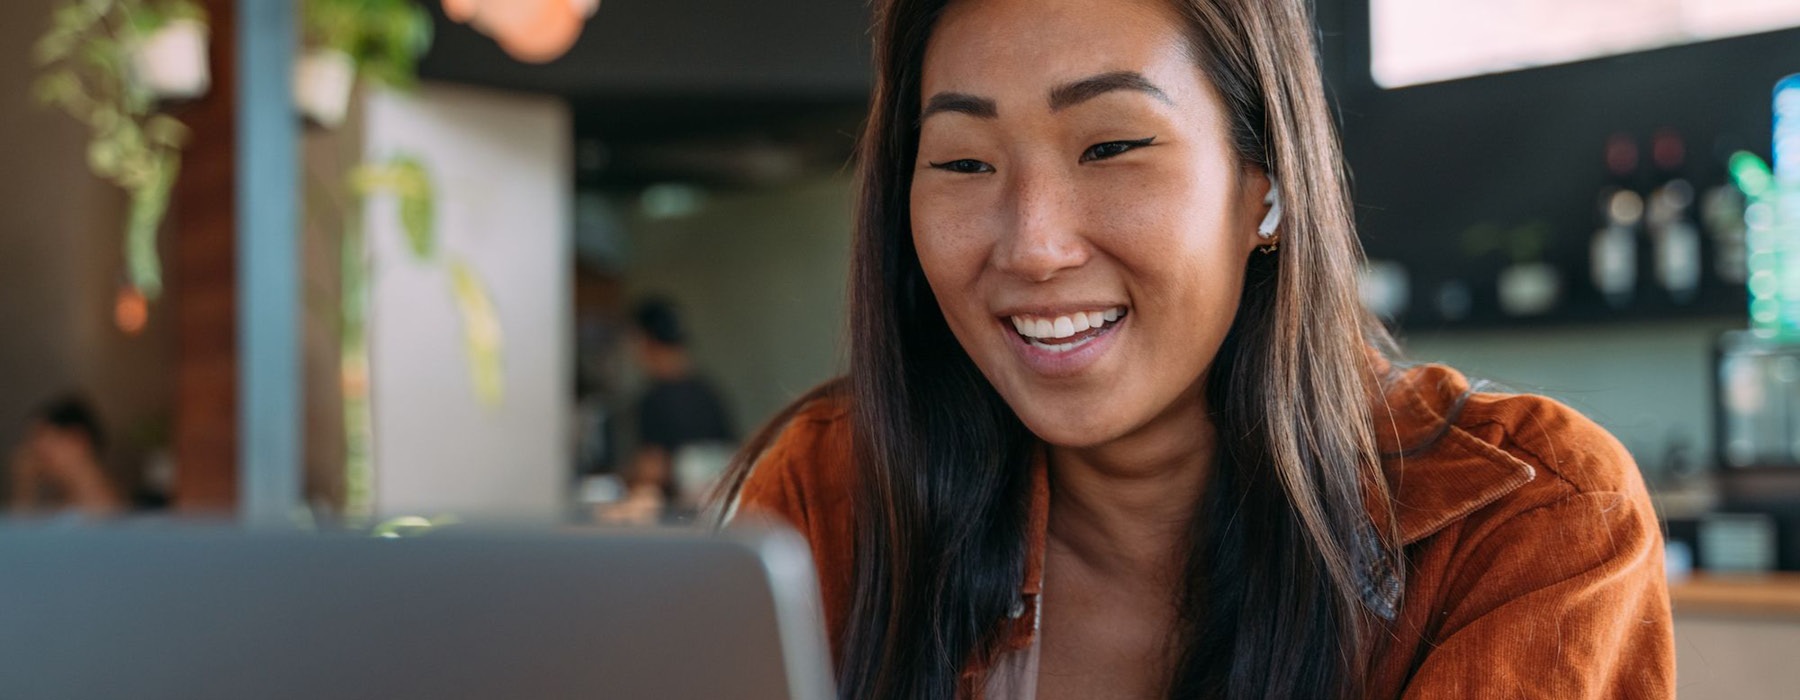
(407, 182)
(405, 179)
(169, 57)
(378, 40)
(109, 64)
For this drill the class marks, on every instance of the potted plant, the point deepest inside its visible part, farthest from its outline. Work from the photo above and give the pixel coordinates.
(168, 49)
(108, 63)
(380, 40)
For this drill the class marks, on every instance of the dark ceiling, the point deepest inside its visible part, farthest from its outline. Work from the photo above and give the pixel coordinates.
(650, 70)
(722, 92)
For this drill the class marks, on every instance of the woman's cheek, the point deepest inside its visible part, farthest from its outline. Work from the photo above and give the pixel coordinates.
(1136, 217)
(949, 233)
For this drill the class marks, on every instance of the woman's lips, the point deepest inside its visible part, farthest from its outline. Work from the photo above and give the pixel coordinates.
(1064, 344)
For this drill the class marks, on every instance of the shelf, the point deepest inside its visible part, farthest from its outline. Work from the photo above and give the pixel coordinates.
(1760, 595)
(1726, 307)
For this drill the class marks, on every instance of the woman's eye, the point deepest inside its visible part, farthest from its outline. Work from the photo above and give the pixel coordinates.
(966, 166)
(1103, 151)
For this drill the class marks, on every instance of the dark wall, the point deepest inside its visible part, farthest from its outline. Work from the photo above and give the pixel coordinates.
(1508, 150)
(793, 48)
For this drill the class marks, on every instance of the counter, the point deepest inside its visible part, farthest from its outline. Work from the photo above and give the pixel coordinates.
(1759, 595)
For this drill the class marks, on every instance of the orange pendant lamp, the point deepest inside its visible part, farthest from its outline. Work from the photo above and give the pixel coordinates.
(533, 31)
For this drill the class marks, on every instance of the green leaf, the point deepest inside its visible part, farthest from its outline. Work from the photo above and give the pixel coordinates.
(53, 47)
(165, 131)
(420, 33)
(105, 118)
(483, 338)
(362, 180)
(104, 158)
(184, 10)
(385, 38)
(416, 218)
(144, 19)
(105, 57)
(130, 137)
(406, 179)
(417, 205)
(74, 18)
(149, 204)
(137, 163)
(56, 87)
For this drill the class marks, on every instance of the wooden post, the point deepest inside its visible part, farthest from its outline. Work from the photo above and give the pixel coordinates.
(203, 290)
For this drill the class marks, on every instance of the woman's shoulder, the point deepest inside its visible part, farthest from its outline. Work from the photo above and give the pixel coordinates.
(1471, 452)
(1557, 440)
(1529, 533)
(802, 475)
(802, 480)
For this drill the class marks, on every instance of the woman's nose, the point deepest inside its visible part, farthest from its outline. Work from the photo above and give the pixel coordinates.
(1043, 235)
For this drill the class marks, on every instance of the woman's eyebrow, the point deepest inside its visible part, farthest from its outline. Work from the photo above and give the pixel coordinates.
(961, 103)
(1071, 94)
(1061, 96)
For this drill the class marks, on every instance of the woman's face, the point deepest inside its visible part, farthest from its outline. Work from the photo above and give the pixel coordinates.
(1078, 209)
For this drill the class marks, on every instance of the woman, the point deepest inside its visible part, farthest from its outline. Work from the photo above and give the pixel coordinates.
(1116, 426)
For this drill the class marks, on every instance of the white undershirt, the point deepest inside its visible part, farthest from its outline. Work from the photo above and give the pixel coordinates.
(1015, 674)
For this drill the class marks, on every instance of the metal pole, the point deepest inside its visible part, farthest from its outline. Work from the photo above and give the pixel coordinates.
(269, 310)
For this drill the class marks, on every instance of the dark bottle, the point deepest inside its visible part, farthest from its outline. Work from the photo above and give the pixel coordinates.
(1669, 219)
(1613, 253)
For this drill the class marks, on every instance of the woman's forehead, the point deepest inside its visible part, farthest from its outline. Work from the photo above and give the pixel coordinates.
(1018, 51)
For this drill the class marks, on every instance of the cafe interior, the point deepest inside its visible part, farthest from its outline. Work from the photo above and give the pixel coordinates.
(392, 268)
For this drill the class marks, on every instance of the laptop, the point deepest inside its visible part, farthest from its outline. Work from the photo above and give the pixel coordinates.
(222, 614)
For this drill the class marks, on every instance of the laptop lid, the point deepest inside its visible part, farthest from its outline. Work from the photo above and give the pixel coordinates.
(232, 615)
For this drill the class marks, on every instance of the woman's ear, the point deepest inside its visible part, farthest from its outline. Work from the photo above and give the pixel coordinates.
(1262, 209)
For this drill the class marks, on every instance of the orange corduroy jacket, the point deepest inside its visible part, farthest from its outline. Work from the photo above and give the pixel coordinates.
(1534, 563)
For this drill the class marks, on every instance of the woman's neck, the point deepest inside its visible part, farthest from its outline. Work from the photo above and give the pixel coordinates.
(1124, 508)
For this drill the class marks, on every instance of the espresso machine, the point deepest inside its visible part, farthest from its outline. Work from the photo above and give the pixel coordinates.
(1757, 417)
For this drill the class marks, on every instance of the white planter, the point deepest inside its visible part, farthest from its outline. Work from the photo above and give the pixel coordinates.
(323, 82)
(1529, 289)
(1385, 288)
(171, 62)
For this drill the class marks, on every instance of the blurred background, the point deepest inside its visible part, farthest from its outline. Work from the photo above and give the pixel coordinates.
(345, 261)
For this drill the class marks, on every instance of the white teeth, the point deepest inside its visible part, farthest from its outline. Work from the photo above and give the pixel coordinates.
(1040, 328)
(1061, 347)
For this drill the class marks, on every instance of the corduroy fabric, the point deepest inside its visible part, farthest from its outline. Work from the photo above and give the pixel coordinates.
(1533, 556)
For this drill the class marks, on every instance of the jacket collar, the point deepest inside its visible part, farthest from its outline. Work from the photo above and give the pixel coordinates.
(1436, 474)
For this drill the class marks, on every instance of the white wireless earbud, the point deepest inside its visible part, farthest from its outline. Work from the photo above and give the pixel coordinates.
(1273, 219)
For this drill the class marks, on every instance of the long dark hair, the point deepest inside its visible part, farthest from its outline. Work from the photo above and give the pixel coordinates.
(1282, 544)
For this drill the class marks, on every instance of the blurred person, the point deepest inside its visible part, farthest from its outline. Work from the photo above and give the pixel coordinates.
(681, 421)
(57, 468)
(1116, 420)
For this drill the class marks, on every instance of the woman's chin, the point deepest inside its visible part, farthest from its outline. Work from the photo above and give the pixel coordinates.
(1072, 430)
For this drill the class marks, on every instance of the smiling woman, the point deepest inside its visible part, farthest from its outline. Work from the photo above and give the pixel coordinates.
(1094, 444)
